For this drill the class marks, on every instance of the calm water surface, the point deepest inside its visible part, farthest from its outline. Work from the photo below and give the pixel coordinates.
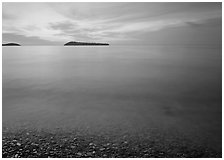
(103, 88)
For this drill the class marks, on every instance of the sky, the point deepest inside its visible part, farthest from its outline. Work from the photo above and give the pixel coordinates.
(115, 23)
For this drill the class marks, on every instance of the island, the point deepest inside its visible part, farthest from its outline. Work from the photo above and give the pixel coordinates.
(11, 44)
(74, 43)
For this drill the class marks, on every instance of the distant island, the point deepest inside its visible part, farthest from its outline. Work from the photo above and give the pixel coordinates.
(74, 43)
(11, 44)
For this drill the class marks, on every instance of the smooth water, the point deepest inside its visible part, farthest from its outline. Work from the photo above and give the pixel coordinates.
(102, 88)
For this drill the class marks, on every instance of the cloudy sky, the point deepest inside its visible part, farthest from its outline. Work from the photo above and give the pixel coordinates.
(115, 23)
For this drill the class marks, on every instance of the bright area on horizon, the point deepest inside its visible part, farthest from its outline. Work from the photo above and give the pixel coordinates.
(114, 23)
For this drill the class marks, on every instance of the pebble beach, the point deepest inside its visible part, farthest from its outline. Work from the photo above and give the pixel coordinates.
(42, 143)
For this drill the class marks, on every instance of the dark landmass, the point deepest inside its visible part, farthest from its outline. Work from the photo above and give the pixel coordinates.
(26, 143)
(11, 44)
(73, 43)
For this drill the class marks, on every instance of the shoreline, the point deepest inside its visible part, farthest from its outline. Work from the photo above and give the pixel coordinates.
(31, 143)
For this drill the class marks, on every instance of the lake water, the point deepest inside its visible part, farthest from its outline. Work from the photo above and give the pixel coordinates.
(132, 88)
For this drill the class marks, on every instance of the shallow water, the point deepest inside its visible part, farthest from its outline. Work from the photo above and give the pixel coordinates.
(136, 88)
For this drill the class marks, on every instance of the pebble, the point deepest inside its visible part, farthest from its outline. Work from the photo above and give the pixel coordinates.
(146, 154)
(18, 144)
(34, 144)
(79, 154)
(89, 154)
(145, 151)
(65, 140)
(101, 148)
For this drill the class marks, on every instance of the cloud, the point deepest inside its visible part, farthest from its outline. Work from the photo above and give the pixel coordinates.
(212, 22)
(110, 22)
(67, 25)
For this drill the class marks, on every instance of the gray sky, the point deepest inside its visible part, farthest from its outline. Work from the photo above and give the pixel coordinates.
(115, 23)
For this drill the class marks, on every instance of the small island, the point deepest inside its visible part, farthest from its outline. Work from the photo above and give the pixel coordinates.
(11, 44)
(74, 43)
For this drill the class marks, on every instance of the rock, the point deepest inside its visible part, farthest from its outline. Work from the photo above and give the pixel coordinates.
(73, 43)
(102, 149)
(11, 44)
